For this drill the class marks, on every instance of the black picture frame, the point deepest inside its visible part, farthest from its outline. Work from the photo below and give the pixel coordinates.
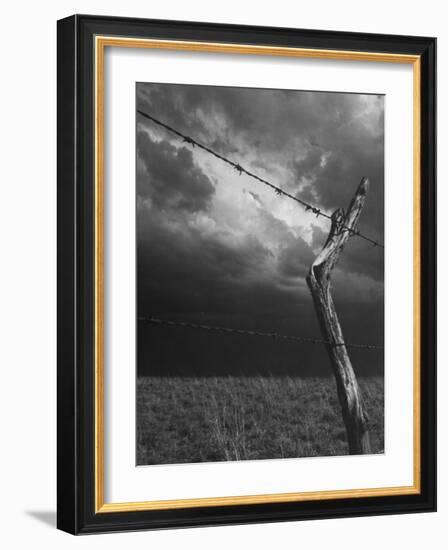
(76, 286)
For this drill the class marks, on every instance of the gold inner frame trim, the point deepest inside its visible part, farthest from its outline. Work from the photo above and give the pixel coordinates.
(101, 42)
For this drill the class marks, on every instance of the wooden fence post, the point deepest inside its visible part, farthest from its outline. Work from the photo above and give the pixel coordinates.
(318, 279)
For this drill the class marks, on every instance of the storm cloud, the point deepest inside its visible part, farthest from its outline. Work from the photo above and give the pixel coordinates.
(170, 177)
(218, 248)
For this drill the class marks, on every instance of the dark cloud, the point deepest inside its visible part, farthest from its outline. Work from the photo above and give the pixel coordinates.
(335, 180)
(170, 177)
(220, 249)
(295, 258)
(189, 273)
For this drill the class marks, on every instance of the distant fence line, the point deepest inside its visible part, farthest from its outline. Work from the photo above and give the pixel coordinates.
(241, 170)
(274, 335)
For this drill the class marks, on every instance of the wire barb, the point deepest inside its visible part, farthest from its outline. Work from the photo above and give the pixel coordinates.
(275, 335)
(240, 170)
(188, 140)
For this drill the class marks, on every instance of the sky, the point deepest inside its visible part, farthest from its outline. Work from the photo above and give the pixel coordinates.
(218, 248)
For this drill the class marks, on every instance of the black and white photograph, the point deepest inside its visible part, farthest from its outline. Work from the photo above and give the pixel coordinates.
(260, 273)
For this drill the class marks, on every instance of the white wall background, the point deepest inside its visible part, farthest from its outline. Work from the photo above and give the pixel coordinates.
(28, 273)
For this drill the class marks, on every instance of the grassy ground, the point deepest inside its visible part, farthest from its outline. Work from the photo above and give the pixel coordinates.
(233, 418)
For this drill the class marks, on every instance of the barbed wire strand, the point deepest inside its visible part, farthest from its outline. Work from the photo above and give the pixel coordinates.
(276, 335)
(241, 170)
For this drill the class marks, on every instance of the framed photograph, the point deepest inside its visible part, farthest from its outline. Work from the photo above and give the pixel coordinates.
(246, 271)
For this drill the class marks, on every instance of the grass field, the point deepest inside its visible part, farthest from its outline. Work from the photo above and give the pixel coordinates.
(236, 418)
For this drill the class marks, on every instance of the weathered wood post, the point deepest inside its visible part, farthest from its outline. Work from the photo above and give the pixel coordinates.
(318, 279)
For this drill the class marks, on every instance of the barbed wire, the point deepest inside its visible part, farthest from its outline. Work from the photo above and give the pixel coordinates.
(276, 335)
(241, 170)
